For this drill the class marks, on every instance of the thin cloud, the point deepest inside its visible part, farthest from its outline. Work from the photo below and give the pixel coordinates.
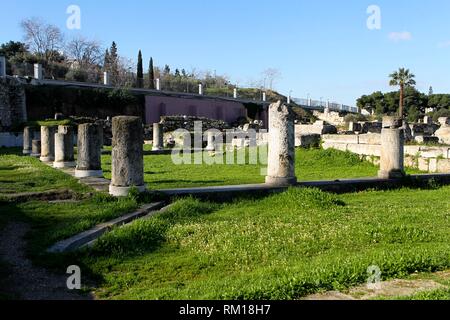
(400, 36)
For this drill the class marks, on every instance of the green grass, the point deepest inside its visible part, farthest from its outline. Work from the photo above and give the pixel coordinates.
(26, 174)
(281, 247)
(440, 294)
(314, 164)
(51, 123)
(52, 222)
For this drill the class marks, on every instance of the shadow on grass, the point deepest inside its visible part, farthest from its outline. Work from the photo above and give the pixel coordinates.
(10, 151)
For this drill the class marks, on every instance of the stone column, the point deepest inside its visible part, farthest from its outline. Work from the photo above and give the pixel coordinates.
(64, 148)
(127, 156)
(90, 143)
(281, 153)
(28, 136)
(36, 148)
(158, 137)
(48, 144)
(211, 141)
(392, 149)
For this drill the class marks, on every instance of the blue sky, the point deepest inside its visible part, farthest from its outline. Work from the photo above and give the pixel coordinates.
(322, 47)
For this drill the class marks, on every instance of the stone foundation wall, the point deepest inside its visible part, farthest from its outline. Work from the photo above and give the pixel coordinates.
(368, 146)
(12, 103)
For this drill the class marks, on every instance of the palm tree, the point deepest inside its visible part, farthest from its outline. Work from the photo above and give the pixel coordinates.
(403, 78)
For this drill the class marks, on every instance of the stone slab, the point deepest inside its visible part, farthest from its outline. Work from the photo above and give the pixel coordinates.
(335, 186)
(84, 238)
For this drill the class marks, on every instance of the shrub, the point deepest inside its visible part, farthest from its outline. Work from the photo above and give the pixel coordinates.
(77, 75)
(354, 118)
(441, 113)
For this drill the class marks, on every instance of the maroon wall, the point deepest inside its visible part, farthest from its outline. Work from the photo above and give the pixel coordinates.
(156, 106)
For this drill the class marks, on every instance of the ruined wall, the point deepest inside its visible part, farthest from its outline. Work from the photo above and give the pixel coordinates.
(12, 103)
(158, 106)
(368, 146)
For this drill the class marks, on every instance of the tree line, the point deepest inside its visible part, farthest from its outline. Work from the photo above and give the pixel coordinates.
(408, 102)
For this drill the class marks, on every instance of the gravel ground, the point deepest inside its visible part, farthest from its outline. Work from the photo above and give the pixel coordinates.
(26, 281)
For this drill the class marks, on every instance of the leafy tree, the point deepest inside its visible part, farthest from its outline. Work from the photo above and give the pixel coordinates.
(13, 49)
(113, 66)
(402, 78)
(444, 112)
(140, 71)
(438, 101)
(106, 61)
(44, 40)
(166, 69)
(384, 103)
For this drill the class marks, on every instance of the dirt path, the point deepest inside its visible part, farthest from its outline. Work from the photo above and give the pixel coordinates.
(24, 280)
(387, 289)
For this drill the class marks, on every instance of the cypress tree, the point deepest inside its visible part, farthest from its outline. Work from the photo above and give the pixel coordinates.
(107, 61)
(140, 71)
(151, 75)
(114, 62)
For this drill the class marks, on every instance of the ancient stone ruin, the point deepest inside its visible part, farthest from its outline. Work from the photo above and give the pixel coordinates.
(281, 154)
(127, 156)
(90, 144)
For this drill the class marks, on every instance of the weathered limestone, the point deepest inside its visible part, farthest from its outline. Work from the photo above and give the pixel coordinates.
(48, 144)
(392, 149)
(28, 136)
(90, 143)
(354, 126)
(36, 148)
(319, 127)
(281, 153)
(127, 156)
(427, 120)
(443, 121)
(444, 131)
(158, 137)
(64, 148)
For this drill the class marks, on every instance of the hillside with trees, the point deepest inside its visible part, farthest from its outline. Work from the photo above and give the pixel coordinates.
(408, 101)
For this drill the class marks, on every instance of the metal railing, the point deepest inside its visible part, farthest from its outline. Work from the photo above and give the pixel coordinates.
(322, 105)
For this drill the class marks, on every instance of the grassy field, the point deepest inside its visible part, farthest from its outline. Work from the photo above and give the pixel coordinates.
(26, 174)
(316, 241)
(280, 247)
(314, 164)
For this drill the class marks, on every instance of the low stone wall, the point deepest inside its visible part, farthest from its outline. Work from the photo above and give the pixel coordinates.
(331, 117)
(319, 127)
(424, 158)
